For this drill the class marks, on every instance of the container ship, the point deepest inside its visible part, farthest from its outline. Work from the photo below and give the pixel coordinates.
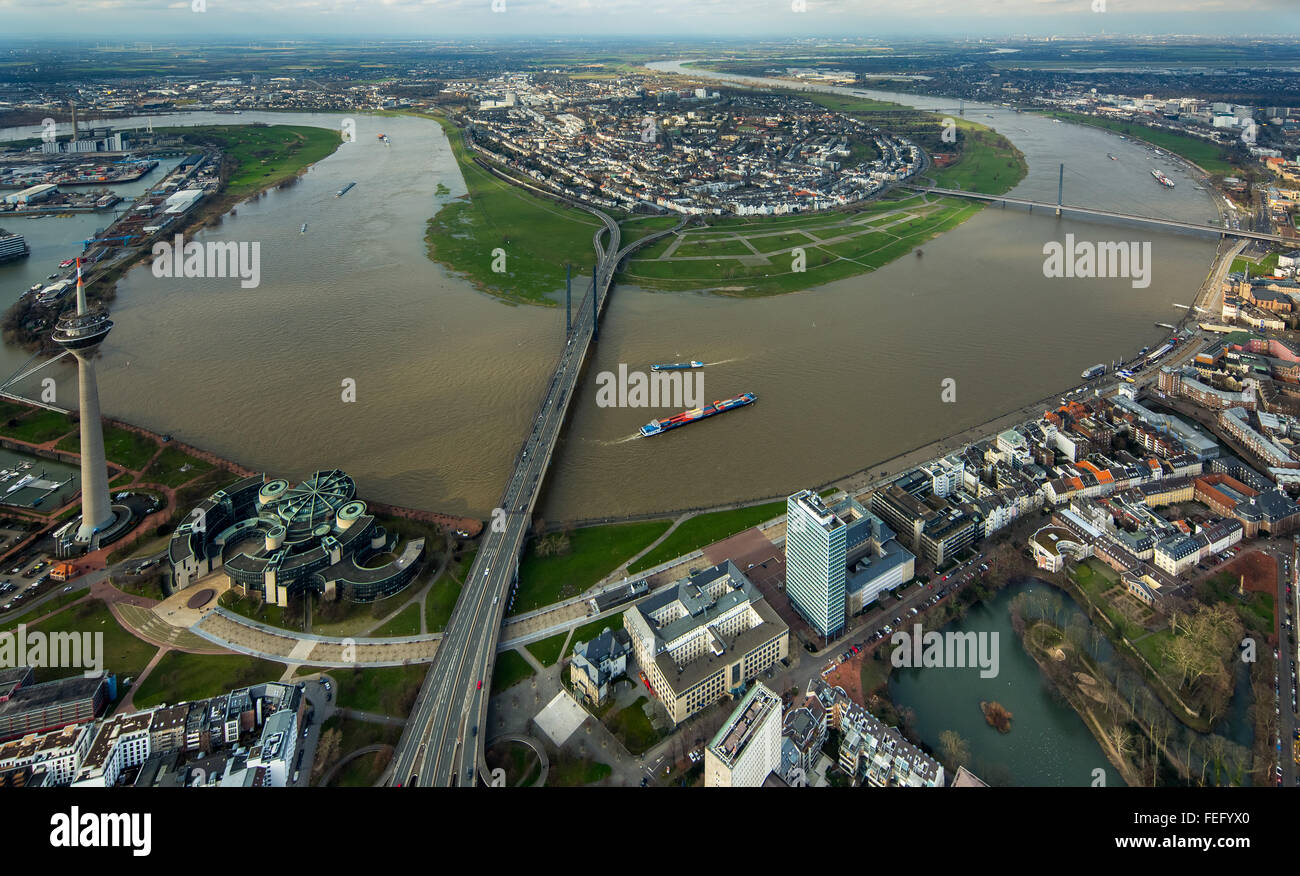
(678, 366)
(1094, 371)
(654, 427)
(343, 191)
(1162, 179)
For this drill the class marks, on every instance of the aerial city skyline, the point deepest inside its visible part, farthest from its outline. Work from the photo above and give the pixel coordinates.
(590, 394)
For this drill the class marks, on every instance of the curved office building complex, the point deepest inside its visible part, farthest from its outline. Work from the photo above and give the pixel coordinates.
(277, 540)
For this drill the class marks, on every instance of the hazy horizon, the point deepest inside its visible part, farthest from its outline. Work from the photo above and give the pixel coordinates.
(115, 20)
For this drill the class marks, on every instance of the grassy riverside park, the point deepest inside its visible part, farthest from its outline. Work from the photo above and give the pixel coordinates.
(261, 156)
(1210, 156)
(181, 677)
(122, 446)
(539, 236)
(562, 565)
(706, 529)
(122, 652)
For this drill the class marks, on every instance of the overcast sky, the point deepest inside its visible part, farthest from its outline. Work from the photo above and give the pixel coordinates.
(269, 19)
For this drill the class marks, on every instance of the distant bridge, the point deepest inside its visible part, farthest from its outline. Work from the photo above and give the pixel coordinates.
(1109, 214)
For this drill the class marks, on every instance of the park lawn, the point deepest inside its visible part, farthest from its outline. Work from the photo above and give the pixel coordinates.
(511, 668)
(726, 246)
(547, 651)
(539, 236)
(122, 653)
(439, 602)
(39, 425)
(592, 629)
(340, 617)
(255, 609)
(181, 677)
(126, 448)
(1258, 610)
(262, 155)
(566, 773)
(594, 552)
(988, 162)
(633, 230)
(633, 728)
(1095, 579)
(731, 276)
(1152, 647)
(18, 614)
(11, 410)
(861, 245)
(769, 243)
(406, 623)
(384, 690)
(1263, 268)
(174, 467)
(705, 529)
(1210, 156)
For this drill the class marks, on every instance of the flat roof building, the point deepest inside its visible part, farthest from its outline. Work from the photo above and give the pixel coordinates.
(747, 748)
(36, 708)
(704, 638)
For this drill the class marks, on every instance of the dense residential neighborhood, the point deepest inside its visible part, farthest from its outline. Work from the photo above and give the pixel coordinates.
(691, 152)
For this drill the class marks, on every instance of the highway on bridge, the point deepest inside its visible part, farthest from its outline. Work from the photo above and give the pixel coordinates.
(442, 742)
(1109, 214)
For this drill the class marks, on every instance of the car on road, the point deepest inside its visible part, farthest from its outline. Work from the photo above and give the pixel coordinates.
(480, 684)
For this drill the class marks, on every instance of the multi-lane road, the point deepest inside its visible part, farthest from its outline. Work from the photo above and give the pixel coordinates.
(443, 741)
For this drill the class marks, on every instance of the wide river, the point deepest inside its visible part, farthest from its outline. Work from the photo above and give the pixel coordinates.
(447, 378)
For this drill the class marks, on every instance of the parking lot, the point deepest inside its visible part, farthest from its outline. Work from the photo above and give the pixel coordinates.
(910, 608)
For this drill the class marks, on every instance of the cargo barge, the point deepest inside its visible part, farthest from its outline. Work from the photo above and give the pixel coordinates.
(343, 191)
(678, 366)
(654, 427)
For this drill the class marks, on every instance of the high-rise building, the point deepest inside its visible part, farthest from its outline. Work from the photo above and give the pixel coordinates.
(81, 336)
(748, 747)
(815, 561)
